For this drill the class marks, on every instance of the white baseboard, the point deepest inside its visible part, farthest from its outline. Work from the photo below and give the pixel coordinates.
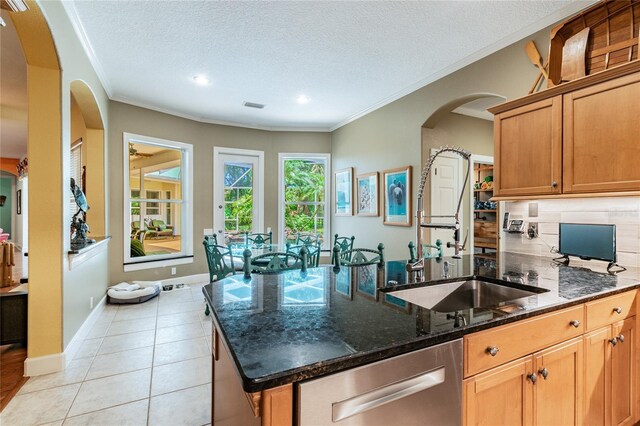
(44, 364)
(57, 362)
(74, 345)
(189, 279)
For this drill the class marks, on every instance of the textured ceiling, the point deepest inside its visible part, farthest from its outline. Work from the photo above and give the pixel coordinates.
(347, 57)
(13, 93)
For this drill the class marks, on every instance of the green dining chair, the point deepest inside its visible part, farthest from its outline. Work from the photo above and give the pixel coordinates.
(219, 260)
(358, 256)
(258, 239)
(308, 239)
(346, 245)
(427, 253)
(313, 252)
(276, 262)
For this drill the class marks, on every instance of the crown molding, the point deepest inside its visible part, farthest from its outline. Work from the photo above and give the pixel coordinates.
(206, 120)
(567, 11)
(76, 23)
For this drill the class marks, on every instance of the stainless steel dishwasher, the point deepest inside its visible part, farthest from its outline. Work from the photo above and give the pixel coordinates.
(420, 388)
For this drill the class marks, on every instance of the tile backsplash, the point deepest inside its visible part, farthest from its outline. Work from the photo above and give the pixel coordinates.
(623, 212)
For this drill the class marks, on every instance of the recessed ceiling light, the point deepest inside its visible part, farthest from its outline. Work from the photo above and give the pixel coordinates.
(303, 99)
(201, 80)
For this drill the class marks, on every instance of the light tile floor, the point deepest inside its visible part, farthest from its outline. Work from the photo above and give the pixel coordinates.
(147, 364)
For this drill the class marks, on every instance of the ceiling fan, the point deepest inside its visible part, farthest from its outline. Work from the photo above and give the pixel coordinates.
(134, 152)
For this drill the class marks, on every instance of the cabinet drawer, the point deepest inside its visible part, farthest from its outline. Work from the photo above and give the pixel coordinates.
(521, 338)
(610, 309)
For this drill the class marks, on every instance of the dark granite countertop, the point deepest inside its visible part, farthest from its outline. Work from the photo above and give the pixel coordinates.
(286, 328)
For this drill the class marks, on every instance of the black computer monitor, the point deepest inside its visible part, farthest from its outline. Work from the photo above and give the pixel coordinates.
(588, 241)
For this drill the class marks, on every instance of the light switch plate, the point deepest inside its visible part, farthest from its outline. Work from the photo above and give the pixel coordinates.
(208, 231)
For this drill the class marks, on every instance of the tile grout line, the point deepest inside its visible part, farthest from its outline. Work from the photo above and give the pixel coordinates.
(87, 373)
(153, 357)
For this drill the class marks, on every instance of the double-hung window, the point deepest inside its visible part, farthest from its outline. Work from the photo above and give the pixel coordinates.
(158, 212)
(304, 186)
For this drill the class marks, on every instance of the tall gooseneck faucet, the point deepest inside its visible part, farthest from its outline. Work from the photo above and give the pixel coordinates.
(418, 265)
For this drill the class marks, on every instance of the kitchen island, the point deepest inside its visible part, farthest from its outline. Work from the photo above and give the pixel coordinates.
(273, 333)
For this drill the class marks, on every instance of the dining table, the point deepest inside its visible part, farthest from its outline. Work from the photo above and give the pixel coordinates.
(237, 251)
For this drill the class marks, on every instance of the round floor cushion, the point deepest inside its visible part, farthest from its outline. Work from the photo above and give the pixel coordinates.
(136, 296)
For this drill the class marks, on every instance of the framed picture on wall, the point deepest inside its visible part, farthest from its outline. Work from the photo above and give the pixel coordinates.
(343, 192)
(397, 196)
(19, 201)
(367, 194)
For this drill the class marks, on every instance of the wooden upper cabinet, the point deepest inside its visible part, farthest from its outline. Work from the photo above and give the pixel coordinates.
(601, 144)
(528, 149)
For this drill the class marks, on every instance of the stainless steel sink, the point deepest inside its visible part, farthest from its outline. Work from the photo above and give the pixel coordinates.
(462, 295)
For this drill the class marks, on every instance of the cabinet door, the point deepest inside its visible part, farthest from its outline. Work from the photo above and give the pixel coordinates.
(528, 149)
(500, 396)
(623, 372)
(597, 376)
(602, 137)
(230, 405)
(558, 389)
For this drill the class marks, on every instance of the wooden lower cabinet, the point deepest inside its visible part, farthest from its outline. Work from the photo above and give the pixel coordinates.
(518, 393)
(500, 396)
(557, 393)
(232, 406)
(597, 376)
(623, 372)
(610, 374)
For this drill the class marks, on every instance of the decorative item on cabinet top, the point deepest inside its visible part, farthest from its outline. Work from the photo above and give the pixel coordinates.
(601, 37)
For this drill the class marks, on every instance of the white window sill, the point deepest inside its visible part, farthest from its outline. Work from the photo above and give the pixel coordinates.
(79, 256)
(157, 264)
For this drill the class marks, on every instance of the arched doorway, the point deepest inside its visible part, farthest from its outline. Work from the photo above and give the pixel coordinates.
(464, 123)
(46, 191)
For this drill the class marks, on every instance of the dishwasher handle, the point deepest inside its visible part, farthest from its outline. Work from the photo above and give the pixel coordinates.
(386, 394)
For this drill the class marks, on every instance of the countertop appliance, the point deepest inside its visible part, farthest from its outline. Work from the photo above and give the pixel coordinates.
(588, 241)
(418, 388)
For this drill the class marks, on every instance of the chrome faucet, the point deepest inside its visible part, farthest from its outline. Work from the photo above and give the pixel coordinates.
(418, 266)
(445, 269)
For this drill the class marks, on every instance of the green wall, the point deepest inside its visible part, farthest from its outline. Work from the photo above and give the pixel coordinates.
(6, 210)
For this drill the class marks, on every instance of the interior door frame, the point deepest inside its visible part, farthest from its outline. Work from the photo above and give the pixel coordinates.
(218, 199)
(431, 192)
(484, 159)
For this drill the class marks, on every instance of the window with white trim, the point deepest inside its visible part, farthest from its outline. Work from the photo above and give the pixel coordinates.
(158, 188)
(304, 186)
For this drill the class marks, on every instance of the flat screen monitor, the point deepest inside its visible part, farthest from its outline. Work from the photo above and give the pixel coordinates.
(588, 241)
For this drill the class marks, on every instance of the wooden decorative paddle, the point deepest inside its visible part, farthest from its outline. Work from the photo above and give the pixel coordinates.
(534, 56)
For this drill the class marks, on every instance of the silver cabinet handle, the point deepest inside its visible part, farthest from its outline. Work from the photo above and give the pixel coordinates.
(544, 373)
(380, 396)
(621, 338)
(554, 184)
(613, 341)
(617, 310)
(575, 323)
(533, 377)
(493, 350)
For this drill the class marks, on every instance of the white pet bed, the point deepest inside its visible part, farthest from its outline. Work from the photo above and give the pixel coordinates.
(147, 290)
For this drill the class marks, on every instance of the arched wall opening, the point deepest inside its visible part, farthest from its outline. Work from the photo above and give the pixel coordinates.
(462, 122)
(87, 125)
(44, 151)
